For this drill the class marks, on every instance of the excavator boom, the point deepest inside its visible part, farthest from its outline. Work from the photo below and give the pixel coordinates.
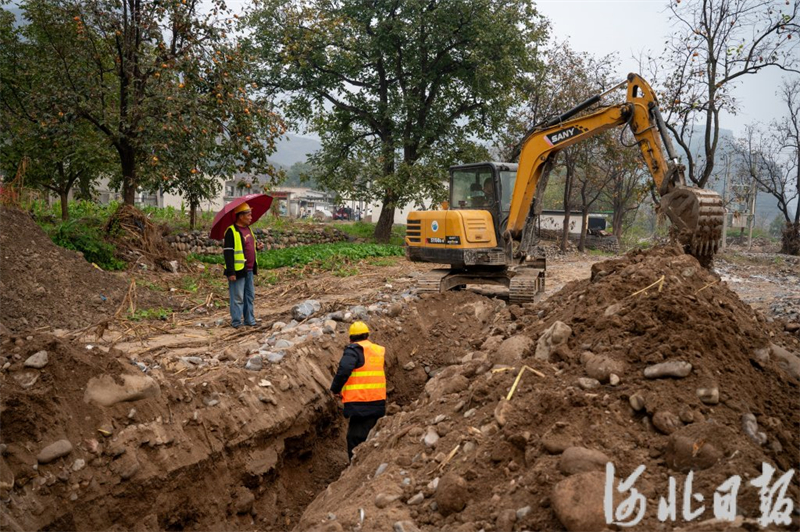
(696, 214)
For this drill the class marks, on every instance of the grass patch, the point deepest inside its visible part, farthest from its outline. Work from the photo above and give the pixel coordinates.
(150, 314)
(326, 254)
(88, 239)
(366, 230)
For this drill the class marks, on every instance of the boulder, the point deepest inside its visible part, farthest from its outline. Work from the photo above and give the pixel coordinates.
(451, 494)
(105, 391)
(578, 502)
(580, 460)
(556, 335)
(54, 451)
(512, 349)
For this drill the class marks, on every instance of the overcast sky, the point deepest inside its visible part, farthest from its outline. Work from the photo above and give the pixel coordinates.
(631, 26)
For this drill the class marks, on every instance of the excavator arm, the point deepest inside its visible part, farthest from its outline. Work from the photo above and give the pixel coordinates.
(696, 214)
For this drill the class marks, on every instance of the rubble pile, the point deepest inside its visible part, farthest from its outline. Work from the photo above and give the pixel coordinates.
(653, 362)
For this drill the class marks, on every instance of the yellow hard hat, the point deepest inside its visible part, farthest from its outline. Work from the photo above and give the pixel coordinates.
(358, 328)
(241, 208)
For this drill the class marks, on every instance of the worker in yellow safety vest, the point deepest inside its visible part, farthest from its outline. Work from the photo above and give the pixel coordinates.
(361, 384)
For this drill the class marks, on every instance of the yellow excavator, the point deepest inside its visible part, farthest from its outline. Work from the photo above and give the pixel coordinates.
(486, 231)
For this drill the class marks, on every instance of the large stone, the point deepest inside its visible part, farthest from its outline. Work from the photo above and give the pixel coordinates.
(580, 460)
(787, 360)
(601, 367)
(512, 350)
(54, 451)
(698, 446)
(673, 368)
(452, 493)
(38, 360)
(666, 422)
(306, 309)
(502, 411)
(556, 335)
(578, 502)
(105, 391)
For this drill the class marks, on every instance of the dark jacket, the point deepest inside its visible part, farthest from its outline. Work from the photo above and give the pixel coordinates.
(352, 358)
(227, 252)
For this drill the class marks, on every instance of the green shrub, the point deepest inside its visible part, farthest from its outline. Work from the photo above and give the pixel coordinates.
(79, 236)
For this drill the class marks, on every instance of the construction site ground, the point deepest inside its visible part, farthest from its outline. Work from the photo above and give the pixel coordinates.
(500, 417)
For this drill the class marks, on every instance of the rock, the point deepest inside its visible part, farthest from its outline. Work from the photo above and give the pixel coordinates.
(709, 396)
(672, 368)
(666, 422)
(306, 309)
(556, 335)
(521, 513)
(505, 520)
(337, 316)
(54, 451)
(254, 363)
(431, 437)
(761, 356)
(588, 384)
(395, 309)
(637, 402)
(405, 526)
(612, 309)
(26, 378)
(501, 412)
(79, 464)
(613, 379)
(283, 344)
(275, 357)
(126, 466)
(7, 478)
(698, 446)
(512, 350)
(105, 391)
(278, 325)
(750, 427)
(360, 312)
(579, 460)
(408, 366)
(578, 502)
(243, 503)
(329, 326)
(452, 493)
(786, 360)
(38, 360)
(416, 499)
(382, 500)
(601, 368)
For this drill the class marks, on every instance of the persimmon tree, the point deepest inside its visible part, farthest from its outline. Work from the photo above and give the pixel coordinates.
(396, 90)
(162, 81)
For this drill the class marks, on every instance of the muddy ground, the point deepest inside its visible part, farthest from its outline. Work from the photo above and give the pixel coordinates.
(187, 424)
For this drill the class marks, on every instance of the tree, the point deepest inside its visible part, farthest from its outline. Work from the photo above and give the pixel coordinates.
(716, 43)
(397, 90)
(772, 159)
(60, 150)
(154, 77)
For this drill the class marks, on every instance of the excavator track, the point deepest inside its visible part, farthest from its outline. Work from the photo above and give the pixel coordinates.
(525, 285)
(431, 282)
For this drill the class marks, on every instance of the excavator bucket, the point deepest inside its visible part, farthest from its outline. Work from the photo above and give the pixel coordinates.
(697, 216)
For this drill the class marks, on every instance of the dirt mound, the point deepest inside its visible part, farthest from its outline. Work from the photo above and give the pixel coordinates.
(44, 285)
(139, 241)
(464, 457)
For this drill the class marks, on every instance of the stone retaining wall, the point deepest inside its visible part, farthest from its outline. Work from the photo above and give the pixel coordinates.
(198, 241)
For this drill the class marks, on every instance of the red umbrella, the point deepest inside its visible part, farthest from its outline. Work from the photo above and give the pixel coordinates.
(259, 204)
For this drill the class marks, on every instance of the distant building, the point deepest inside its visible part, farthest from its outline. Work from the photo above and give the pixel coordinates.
(554, 221)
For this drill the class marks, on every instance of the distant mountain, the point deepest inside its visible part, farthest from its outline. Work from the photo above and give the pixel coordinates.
(294, 149)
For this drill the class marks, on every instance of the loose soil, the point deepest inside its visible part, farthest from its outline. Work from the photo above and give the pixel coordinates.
(170, 431)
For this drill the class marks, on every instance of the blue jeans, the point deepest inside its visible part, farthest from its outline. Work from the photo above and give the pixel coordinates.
(242, 293)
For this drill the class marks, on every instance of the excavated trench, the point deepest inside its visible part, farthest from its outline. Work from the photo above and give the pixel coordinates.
(224, 448)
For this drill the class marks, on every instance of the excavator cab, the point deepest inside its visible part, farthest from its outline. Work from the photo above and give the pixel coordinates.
(484, 186)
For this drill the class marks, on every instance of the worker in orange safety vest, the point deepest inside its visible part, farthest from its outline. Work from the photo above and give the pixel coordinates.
(361, 384)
